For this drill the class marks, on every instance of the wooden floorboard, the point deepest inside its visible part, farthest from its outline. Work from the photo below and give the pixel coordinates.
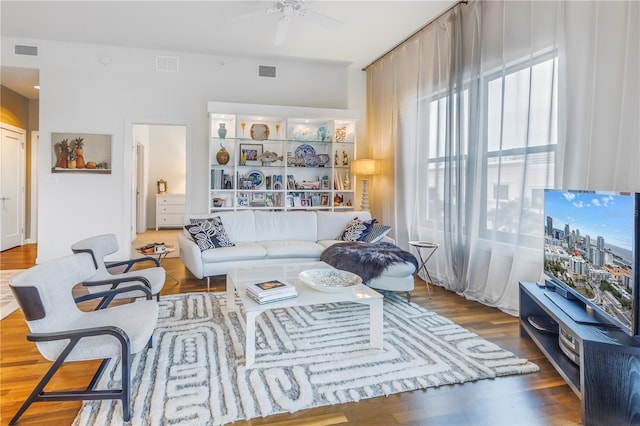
(541, 398)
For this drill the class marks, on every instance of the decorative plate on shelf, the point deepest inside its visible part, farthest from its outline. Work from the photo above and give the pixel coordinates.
(329, 280)
(308, 153)
(257, 177)
(259, 131)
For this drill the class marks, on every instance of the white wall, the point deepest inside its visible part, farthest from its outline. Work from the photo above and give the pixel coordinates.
(81, 94)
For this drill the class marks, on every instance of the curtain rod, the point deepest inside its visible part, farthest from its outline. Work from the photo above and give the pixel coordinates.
(422, 28)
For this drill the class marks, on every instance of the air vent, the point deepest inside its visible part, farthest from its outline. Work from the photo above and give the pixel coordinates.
(26, 50)
(266, 71)
(167, 63)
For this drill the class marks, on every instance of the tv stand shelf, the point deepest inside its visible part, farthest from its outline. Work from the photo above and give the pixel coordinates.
(607, 381)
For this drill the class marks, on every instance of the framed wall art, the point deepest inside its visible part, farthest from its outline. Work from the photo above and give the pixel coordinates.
(80, 153)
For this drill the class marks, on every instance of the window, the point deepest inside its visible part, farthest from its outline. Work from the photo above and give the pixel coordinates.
(520, 147)
(517, 151)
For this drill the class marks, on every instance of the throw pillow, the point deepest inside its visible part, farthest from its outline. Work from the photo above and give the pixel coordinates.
(209, 233)
(377, 233)
(357, 230)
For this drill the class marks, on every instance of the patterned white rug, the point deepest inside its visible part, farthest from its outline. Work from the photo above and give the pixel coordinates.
(306, 357)
(8, 303)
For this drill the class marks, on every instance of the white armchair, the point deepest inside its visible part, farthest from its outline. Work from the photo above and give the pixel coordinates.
(63, 333)
(99, 247)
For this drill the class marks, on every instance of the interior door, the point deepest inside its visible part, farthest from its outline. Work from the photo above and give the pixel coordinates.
(11, 188)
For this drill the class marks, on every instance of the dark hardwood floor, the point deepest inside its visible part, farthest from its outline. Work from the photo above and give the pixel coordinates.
(541, 398)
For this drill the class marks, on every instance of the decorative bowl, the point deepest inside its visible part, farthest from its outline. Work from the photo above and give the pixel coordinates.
(322, 159)
(329, 280)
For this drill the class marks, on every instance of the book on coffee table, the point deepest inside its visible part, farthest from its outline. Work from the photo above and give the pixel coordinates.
(271, 291)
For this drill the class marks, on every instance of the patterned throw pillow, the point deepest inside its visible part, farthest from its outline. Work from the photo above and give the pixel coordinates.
(377, 233)
(357, 230)
(208, 233)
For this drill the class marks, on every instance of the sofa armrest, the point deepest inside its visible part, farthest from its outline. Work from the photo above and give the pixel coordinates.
(190, 255)
(387, 239)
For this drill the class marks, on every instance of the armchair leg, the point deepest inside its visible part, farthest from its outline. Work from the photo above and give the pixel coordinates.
(37, 392)
(124, 394)
(126, 387)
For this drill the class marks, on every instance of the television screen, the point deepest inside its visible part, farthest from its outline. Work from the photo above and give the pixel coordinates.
(589, 249)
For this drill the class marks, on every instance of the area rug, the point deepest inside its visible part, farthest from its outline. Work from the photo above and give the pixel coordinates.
(306, 357)
(8, 303)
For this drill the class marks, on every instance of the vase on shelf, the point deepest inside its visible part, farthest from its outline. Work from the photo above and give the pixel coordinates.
(222, 131)
(222, 156)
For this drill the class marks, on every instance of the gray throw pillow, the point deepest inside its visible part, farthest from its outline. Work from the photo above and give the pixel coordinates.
(357, 230)
(378, 232)
(208, 233)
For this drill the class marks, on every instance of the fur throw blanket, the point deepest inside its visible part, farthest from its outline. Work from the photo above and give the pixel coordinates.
(367, 260)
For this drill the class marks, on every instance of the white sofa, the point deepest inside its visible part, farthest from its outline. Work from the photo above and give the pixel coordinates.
(263, 237)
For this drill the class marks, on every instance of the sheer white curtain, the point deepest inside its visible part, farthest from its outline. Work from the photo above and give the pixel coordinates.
(481, 111)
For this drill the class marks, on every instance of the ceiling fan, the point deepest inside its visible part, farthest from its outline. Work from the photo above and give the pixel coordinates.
(291, 8)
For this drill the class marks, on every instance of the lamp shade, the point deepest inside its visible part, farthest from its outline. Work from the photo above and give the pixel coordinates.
(366, 167)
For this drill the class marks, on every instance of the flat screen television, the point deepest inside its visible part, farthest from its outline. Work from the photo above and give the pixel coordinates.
(591, 253)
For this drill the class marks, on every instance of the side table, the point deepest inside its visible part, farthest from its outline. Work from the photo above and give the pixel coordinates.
(428, 248)
(161, 256)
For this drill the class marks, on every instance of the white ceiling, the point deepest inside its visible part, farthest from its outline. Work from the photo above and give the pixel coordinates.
(370, 28)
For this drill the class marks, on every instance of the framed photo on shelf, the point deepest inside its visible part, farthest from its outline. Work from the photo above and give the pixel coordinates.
(250, 153)
(325, 182)
(305, 202)
(291, 183)
(246, 183)
(324, 200)
(243, 200)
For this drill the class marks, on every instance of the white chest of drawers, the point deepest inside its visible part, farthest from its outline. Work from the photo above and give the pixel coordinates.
(169, 210)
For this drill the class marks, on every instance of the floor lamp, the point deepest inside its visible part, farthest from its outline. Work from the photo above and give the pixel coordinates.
(365, 167)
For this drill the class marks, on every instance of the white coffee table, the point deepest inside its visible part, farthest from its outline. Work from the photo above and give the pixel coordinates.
(238, 278)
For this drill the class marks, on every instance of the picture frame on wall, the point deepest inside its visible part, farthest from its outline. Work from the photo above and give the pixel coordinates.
(249, 153)
(80, 153)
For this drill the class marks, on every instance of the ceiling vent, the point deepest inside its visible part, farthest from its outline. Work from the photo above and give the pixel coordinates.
(266, 71)
(21, 49)
(167, 63)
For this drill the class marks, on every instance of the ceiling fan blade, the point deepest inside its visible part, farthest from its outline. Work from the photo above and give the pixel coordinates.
(319, 18)
(281, 32)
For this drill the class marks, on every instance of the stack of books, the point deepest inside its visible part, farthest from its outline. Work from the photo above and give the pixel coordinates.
(271, 291)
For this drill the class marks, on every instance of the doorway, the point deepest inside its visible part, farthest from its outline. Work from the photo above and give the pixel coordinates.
(12, 189)
(160, 153)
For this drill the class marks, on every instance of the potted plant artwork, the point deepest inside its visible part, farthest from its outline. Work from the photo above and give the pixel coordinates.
(80, 153)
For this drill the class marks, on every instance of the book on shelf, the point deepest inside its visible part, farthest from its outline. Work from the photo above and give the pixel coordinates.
(271, 291)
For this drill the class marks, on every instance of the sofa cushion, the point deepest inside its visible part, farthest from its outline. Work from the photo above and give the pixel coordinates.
(209, 233)
(329, 243)
(331, 224)
(243, 250)
(357, 230)
(292, 249)
(239, 225)
(286, 226)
